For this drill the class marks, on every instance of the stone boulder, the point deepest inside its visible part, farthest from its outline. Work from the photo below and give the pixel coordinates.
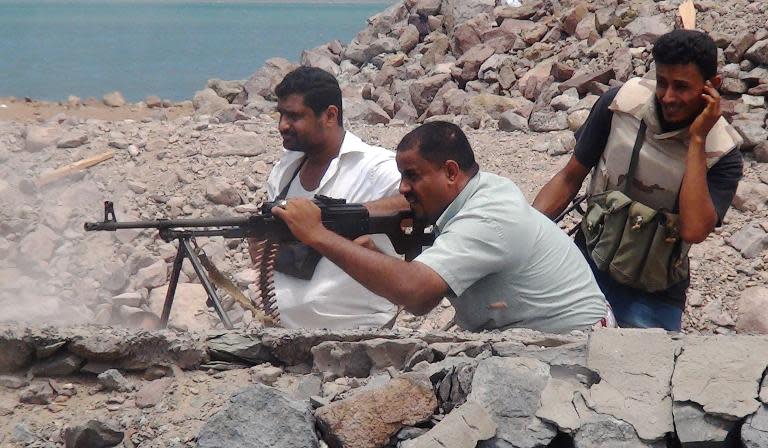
(220, 191)
(465, 426)
(758, 53)
(38, 138)
(753, 311)
(363, 359)
(716, 382)
(113, 99)
(263, 82)
(644, 30)
(370, 418)
(208, 102)
(228, 90)
(520, 381)
(72, 139)
(635, 368)
(750, 196)
(460, 11)
(423, 91)
(366, 111)
(264, 414)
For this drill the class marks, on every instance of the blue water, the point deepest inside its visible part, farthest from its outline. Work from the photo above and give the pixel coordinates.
(52, 49)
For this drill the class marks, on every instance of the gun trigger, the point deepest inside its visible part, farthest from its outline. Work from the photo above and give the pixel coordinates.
(109, 212)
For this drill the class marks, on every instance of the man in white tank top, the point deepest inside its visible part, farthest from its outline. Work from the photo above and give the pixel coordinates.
(320, 157)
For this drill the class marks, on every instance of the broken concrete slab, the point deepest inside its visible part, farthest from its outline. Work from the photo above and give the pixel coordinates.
(635, 368)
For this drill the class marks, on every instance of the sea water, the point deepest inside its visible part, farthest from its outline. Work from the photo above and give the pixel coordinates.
(50, 49)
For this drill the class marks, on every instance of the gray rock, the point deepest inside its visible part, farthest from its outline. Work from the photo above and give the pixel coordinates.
(72, 139)
(547, 121)
(152, 392)
(113, 99)
(22, 434)
(220, 191)
(409, 38)
(739, 45)
(510, 121)
(577, 118)
(208, 102)
(750, 196)
(521, 382)
(230, 114)
(644, 30)
(758, 53)
(635, 368)
(754, 432)
(753, 312)
(38, 138)
(462, 428)
(322, 59)
(422, 91)
(92, 434)
(266, 374)
(238, 348)
(753, 132)
(694, 427)
(262, 414)
(152, 276)
(38, 246)
(153, 101)
(226, 89)
(15, 354)
(564, 102)
(38, 393)
(722, 375)
(609, 432)
(361, 359)
(59, 365)
(366, 111)
(751, 240)
(263, 82)
(12, 382)
(112, 379)
(459, 11)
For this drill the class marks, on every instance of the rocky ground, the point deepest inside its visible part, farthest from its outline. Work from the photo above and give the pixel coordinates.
(519, 80)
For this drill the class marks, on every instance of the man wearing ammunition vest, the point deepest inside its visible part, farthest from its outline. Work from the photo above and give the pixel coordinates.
(663, 177)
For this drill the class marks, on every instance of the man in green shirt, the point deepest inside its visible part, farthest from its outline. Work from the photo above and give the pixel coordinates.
(500, 262)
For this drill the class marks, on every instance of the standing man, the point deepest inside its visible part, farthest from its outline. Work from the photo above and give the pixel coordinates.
(688, 164)
(500, 262)
(322, 158)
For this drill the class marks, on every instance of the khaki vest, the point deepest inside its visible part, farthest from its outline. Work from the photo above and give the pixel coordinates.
(661, 162)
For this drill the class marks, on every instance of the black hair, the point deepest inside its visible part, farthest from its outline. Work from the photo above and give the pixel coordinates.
(687, 47)
(440, 141)
(319, 89)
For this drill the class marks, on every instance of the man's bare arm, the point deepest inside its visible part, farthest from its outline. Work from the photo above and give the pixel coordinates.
(555, 196)
(413, 285)
(697, 211)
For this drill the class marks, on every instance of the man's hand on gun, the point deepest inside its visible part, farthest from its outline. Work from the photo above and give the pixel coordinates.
(303, 217)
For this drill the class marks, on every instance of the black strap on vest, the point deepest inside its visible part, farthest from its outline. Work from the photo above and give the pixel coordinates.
(635, 157)
(287, 186)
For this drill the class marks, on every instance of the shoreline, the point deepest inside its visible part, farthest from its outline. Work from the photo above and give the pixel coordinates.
(21, 110)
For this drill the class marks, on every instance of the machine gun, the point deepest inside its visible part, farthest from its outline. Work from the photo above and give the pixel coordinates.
(348, 220)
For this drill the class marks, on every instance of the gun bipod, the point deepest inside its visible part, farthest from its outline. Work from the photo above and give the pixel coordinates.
(185, 251)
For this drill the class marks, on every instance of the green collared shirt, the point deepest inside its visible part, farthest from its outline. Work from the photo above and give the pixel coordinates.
(507, 265)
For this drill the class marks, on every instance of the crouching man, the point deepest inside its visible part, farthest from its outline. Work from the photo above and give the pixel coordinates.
(501, 263)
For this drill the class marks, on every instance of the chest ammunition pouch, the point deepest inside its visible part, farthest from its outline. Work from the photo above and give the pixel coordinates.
(637, 245)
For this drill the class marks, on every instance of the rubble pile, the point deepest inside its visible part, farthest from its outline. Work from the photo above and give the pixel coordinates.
(618, 388)
(538, 66)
